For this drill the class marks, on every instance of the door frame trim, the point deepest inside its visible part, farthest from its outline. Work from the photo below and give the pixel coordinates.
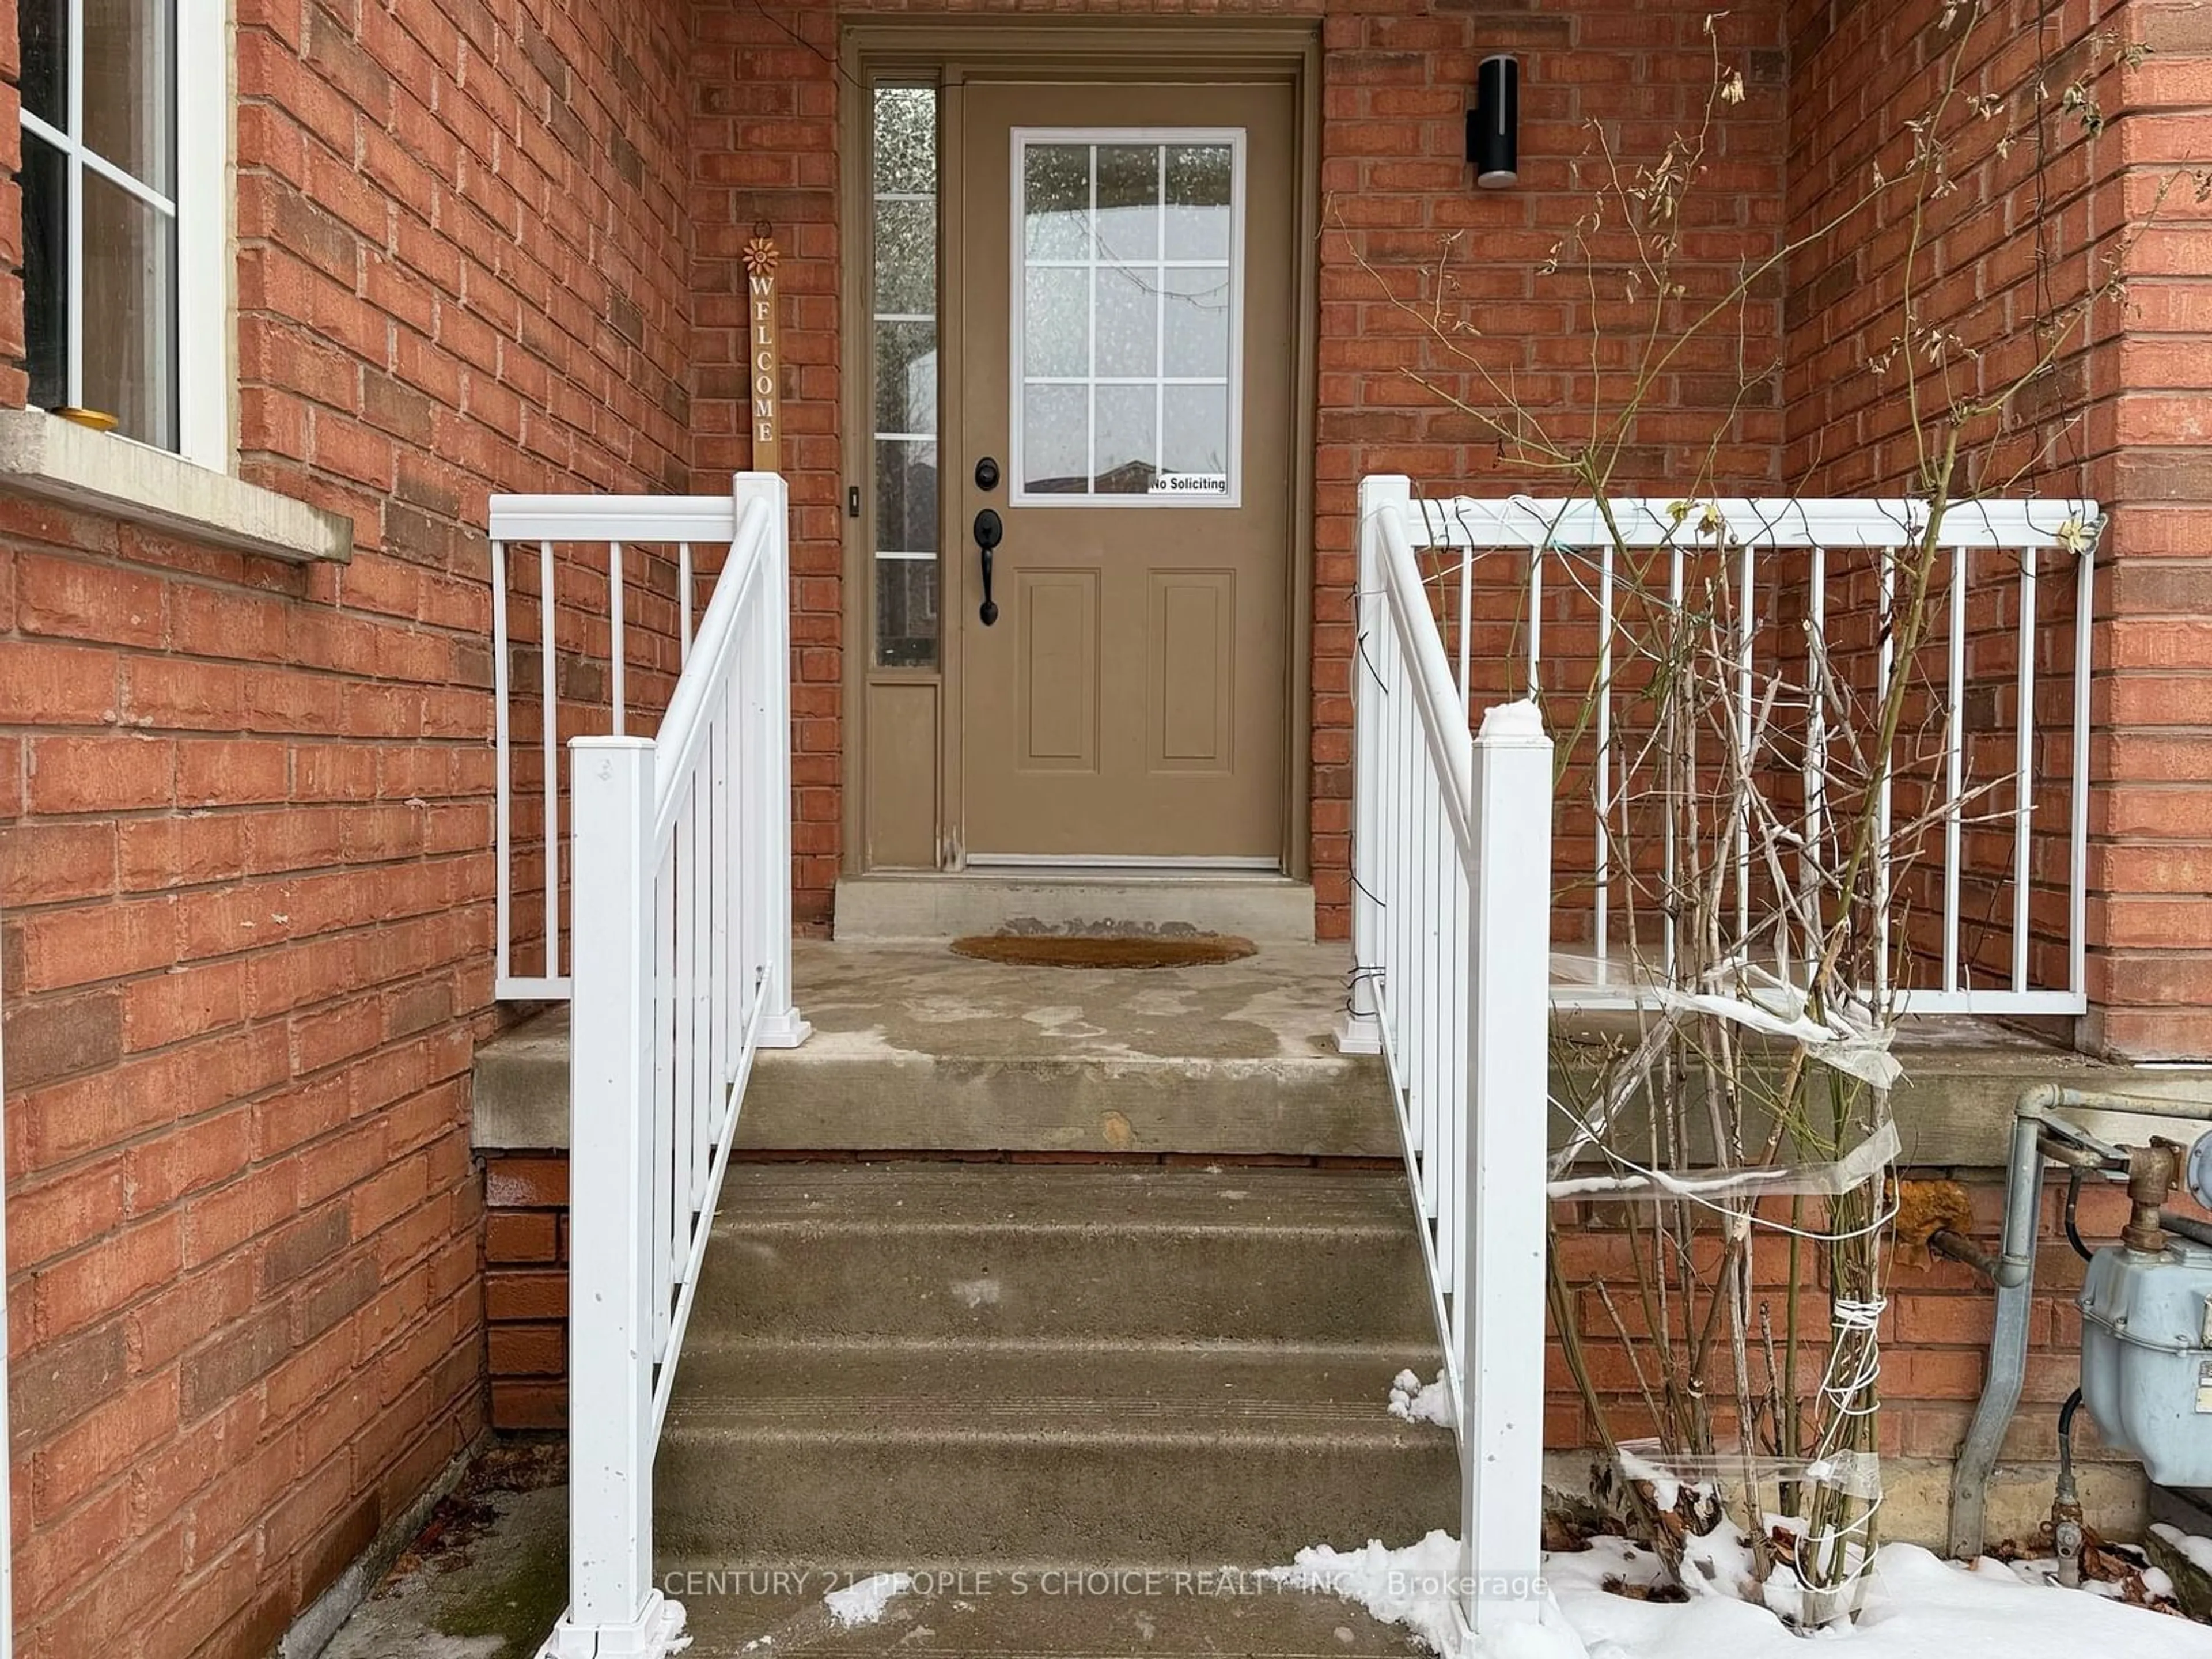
(952, 53)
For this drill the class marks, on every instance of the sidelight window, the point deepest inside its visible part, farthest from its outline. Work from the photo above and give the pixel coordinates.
(903, 188)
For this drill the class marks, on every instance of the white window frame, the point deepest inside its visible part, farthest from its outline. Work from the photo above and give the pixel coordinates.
(1021, 139)
(201, 211)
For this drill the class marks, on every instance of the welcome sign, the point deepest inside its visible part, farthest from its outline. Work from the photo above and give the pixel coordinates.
(763, 368)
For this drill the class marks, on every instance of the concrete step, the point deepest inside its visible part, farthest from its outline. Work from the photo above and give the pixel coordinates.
(1264, 907)
(916, 1251)
(864, 1456)
(1080, 1611)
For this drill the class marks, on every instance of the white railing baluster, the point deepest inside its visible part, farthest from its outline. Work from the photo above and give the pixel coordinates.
(1667, 853)
(549, 749)
(1466, 632)
(1747, 623)
(502, 964)
(1955, 744)
(1815, 773)
(683, 602)
(672, 1035)
(618, 639)
(682, 941)
(2077, 896)
(1885, 664)
(1452, 1150)
(1429, 1005)
(690, 1046)
(2024, 776)
(1602, 778)
(1536, 619)
(704, 987)
(721, 858)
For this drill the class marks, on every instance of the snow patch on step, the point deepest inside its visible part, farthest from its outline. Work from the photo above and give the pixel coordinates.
(863, 1602)
(1421, 1402)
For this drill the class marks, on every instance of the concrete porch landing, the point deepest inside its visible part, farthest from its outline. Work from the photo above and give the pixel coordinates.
(916, 1048)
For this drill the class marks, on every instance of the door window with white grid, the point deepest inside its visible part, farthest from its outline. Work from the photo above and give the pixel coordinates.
(1127, 305)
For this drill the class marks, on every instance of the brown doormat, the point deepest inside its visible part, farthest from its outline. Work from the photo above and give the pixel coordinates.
(1091, 950)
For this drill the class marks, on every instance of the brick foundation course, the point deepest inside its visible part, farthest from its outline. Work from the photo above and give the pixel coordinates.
(526, 1288)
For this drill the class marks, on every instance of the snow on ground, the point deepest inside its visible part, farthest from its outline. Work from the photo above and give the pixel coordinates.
(2197, 1551)
(1410, 1587)
(1421, 1402)
(863, 1602)
(1917, 1607)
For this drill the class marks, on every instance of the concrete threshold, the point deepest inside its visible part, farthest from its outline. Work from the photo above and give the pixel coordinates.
(1262, 906)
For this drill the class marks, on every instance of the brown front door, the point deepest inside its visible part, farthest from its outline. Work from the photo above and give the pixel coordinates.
(1128, 271)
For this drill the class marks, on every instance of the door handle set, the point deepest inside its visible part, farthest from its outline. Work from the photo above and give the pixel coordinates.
(989, 532)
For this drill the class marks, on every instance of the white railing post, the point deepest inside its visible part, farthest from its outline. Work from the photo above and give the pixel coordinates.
(613, 1606)
(780, 1024)
(1357, 1032)
(1501, 1274)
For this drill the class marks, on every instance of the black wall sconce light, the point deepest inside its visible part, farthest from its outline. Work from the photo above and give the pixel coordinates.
(1493, 125)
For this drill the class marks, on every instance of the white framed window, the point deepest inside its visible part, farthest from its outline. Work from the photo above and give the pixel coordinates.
(1126, 314)
(126, 129)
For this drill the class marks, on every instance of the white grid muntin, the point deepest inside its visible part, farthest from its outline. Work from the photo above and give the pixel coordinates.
(1021, 139)
(199, 209)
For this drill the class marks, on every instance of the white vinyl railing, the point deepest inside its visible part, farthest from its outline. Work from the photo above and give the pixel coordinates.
(1451, 919)
(562, 544)
(681, 972)
(1979, 733)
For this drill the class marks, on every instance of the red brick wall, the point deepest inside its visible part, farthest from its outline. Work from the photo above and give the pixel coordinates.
(1395, 86)
(245, 815)
(764, 149)
(2026, 234)
(1934, 1336)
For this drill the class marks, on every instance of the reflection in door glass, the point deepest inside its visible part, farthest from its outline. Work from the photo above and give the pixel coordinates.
(904, 186)
(1125, 331)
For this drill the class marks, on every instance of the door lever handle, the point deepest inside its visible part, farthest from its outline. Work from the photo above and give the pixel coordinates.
(989, 532)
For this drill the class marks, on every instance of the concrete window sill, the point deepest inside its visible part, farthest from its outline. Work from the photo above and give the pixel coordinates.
(43, 455)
